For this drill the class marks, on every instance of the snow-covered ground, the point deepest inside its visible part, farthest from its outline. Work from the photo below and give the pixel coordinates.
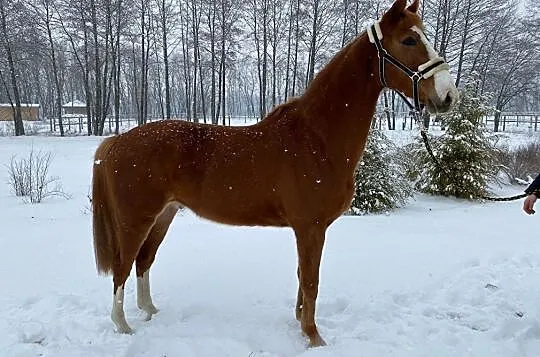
(411, 283)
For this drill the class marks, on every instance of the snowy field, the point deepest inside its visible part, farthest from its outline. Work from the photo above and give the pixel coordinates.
(440, 277)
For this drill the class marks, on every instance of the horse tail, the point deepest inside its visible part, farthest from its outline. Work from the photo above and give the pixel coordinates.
(105, 244)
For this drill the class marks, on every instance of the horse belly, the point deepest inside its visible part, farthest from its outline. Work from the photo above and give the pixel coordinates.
(241, 212)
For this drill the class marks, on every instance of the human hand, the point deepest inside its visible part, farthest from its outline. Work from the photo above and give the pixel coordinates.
(528, 204)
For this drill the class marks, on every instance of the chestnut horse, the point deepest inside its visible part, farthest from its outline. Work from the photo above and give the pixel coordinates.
(294, 168)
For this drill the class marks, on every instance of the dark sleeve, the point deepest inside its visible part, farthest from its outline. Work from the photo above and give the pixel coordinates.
(534, 186)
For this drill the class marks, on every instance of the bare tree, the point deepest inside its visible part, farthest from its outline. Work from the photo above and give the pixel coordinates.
(47, 9)
(165, 17)
(199, 59)
(7, 44)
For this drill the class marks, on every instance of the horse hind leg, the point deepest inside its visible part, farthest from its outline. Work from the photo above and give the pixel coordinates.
(117, 313)
(121, 270)
(146, 256)
(144, 299)
(130, 242)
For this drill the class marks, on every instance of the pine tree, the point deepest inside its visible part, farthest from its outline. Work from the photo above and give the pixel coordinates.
(466, 153)
(380, 185)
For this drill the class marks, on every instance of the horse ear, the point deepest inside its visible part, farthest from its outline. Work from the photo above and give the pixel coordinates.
(414, 6)
(397, 9)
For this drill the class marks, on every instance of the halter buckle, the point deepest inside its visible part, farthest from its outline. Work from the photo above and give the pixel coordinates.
(416, 77)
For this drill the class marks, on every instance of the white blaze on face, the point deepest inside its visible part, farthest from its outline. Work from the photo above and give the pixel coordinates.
(444, 84)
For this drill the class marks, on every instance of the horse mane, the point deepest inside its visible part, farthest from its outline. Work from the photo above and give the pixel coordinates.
(278, 111)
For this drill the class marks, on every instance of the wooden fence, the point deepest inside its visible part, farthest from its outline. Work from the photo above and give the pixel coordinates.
(509, 121)
(512, 120)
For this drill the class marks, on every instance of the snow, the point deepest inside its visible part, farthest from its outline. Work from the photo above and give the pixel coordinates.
(23, 105)
(75, 103)
(439, 277)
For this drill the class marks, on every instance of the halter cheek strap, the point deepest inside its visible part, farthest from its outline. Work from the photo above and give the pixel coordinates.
(424, 71)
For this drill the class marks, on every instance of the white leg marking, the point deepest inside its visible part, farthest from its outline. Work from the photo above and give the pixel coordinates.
(117, 313)
(144, 300)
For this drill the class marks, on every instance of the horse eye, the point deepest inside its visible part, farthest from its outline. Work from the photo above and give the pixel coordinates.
(409, 41)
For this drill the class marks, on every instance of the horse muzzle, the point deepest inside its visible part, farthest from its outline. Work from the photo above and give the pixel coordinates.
(436, 104)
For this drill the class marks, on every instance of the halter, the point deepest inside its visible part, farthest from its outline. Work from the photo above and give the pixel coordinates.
(424, 71)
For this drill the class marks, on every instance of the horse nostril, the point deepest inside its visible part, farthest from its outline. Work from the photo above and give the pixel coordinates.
(448, 100)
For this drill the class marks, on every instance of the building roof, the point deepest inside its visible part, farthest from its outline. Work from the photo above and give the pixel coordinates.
(7, 105)
(74, 104)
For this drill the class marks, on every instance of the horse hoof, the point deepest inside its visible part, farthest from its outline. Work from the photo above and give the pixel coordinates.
(152, 310)
(316, 341)
(120, 322)
(126, 330)
(149, 309)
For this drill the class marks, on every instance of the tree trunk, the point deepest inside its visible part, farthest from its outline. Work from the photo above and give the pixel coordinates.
(424, 116)
(117, 74)
(223, 60)
(297, 39)
(218, 105)
(195, 32)
(17, 116)
(166, 62)
(264, 74)
(203, 101)
(187, 70)
(107, 77)
(58, 87)
(97, 70)
(289, 40)
(387, 110)
(465, 33)
(393, 110)
(143, 103)
(274, 50)
(345, 18)
(211, 16)
(313, 43)
(145, 74)
(496, 121)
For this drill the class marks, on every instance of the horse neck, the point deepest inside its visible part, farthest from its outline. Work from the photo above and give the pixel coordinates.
(340, 102)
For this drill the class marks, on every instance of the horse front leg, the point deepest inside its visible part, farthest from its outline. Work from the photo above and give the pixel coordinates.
(309, 242)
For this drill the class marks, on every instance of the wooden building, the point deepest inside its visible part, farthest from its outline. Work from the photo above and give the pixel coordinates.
(28, 112)
(74, 108)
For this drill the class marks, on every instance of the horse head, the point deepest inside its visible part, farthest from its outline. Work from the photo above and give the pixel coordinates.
(408, 63)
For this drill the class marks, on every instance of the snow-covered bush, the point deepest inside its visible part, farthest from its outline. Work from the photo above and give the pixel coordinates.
(29, 177)
(466, 152)
(522, 163)
(380, 184)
